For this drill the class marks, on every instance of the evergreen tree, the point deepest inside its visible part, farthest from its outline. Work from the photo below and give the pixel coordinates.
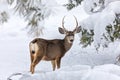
(3, 12)
(87, 37)
(73, 3)
(34, 11)
(113, 31)
(112, 34)
(3, 17)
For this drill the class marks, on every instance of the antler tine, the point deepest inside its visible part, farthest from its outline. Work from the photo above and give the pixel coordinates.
(63, 23)
(76, 22)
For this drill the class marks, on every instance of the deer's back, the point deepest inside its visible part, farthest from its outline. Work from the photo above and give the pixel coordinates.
(52, 49)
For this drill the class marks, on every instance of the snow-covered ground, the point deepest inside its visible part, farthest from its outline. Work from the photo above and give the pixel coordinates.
(78, 63)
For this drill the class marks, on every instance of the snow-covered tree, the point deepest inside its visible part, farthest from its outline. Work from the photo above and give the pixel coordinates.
(102, 25)
(100, 28)
(34, 12)
(3, 12)
(73, 3)
(3, 17)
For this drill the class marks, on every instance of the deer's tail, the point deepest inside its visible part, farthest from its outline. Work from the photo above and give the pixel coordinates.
(33, 46)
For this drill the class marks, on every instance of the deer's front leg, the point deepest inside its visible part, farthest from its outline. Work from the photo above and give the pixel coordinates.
(53, 64)
(58, 61)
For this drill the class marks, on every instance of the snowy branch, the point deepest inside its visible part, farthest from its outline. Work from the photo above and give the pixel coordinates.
(3, 17)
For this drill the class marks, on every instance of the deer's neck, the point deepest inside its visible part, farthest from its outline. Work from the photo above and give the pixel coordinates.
(67, 44)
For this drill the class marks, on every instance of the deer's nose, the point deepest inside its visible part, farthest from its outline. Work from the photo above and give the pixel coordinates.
(71, 40)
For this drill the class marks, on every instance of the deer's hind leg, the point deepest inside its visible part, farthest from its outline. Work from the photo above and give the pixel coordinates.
(32, 58)
(37, 58)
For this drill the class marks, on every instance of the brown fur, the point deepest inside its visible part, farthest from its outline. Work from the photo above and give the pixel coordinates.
(51, 50)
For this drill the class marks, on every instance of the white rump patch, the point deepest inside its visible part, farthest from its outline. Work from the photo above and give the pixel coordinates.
(34, 47)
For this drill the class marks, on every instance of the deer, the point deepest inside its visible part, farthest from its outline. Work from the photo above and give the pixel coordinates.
(52, 50)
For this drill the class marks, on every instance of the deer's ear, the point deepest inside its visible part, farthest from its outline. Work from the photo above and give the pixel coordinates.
(77, 30)
(61, 30)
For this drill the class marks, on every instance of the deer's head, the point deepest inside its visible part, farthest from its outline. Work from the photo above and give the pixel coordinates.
(69, 34)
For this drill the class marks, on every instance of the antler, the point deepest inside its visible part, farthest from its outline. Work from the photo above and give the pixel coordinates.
(76, 22)
(63, 23)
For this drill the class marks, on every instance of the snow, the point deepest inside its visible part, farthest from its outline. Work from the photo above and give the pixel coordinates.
(78, 63)
(80, 72)
(99, 21)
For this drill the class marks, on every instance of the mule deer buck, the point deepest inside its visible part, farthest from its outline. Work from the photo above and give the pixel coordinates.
(52, 50)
